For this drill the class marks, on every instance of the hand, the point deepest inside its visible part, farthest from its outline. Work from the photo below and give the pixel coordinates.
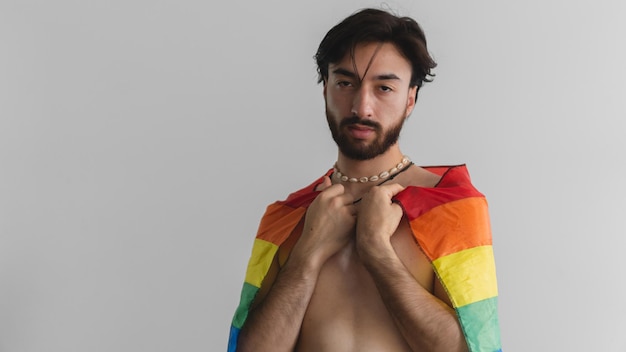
(378, 218)
(328, 225)
(326, 182)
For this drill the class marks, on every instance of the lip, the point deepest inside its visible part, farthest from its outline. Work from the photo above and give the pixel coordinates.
(360, 131)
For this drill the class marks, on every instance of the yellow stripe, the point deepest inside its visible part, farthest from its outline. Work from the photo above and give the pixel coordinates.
(469, 276)
(262, 255)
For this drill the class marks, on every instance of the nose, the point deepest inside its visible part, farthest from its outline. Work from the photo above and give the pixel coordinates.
(362, 104)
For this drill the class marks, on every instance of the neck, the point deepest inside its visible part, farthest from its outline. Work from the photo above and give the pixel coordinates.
(357, 169)
(366, 168)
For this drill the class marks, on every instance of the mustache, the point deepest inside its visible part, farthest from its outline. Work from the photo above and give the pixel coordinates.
(353, 120)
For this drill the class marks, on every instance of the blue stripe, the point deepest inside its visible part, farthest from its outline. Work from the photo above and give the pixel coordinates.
(232, 339)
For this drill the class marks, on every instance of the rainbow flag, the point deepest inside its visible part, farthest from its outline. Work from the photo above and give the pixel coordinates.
(449, 221)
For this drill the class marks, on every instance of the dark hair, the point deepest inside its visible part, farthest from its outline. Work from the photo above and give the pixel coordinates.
(370, 26)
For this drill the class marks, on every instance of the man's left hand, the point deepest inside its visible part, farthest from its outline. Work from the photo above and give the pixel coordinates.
(378, 218)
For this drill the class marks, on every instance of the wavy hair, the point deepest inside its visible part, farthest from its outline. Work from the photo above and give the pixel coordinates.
(371, 26)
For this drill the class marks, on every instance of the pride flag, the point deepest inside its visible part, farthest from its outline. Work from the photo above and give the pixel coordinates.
(450, 222)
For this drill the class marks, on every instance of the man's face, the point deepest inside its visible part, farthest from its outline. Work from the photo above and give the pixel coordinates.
(368, 99)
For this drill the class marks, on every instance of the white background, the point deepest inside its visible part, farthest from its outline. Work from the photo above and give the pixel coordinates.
(140, 142)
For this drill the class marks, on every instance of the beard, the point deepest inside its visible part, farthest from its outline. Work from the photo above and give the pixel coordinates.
(361, 150)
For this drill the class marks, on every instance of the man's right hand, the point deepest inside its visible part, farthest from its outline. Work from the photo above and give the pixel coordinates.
(329, 224)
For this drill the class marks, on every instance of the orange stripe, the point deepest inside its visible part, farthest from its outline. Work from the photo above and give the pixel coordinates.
(287, 246)
(453, 227)
(278, 222)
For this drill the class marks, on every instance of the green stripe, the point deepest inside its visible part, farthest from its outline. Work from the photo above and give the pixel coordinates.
(247, 295)
(480, 325)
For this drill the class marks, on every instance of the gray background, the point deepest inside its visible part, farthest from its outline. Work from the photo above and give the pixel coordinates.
(140, 142)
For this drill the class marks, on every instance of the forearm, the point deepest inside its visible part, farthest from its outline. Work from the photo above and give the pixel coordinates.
(275, 323)
(426, 322)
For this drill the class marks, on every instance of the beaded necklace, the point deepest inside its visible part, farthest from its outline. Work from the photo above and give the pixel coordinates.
(381, 176)
(404, 165)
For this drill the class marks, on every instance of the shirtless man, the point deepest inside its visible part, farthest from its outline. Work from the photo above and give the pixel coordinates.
(351, 277)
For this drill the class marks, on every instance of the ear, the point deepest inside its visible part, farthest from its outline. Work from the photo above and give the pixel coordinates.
(410, 99)
(324, 90)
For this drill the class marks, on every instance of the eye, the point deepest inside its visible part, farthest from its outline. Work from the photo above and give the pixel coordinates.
(344, 84)
(386, 89)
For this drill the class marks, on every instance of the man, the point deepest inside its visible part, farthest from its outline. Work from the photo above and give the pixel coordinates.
(378, 254)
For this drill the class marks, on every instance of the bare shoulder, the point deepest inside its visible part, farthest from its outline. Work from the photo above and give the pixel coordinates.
(419, 177)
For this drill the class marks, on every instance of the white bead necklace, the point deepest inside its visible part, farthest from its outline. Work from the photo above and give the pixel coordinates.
(381, 176)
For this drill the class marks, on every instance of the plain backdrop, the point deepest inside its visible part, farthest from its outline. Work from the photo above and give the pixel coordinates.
(140, 142)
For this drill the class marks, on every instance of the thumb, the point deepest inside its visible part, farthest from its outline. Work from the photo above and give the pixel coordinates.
(325, 184)
(394, 189)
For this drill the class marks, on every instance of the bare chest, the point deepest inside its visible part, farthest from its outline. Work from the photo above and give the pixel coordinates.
(346, 311)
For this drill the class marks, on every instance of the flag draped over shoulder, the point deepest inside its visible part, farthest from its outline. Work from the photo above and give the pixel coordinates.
(451, 224)
(276, 225)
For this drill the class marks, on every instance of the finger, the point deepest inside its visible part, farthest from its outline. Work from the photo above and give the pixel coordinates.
(353, 209)
(392, 189)
(333, 191)
(396, 208)
(346, 199)
(325, 184)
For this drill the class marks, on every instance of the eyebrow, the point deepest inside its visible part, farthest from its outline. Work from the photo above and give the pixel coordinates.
(347, 73)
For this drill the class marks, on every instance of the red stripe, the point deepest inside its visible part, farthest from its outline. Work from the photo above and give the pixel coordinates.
(305, 196)
(455, 184)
